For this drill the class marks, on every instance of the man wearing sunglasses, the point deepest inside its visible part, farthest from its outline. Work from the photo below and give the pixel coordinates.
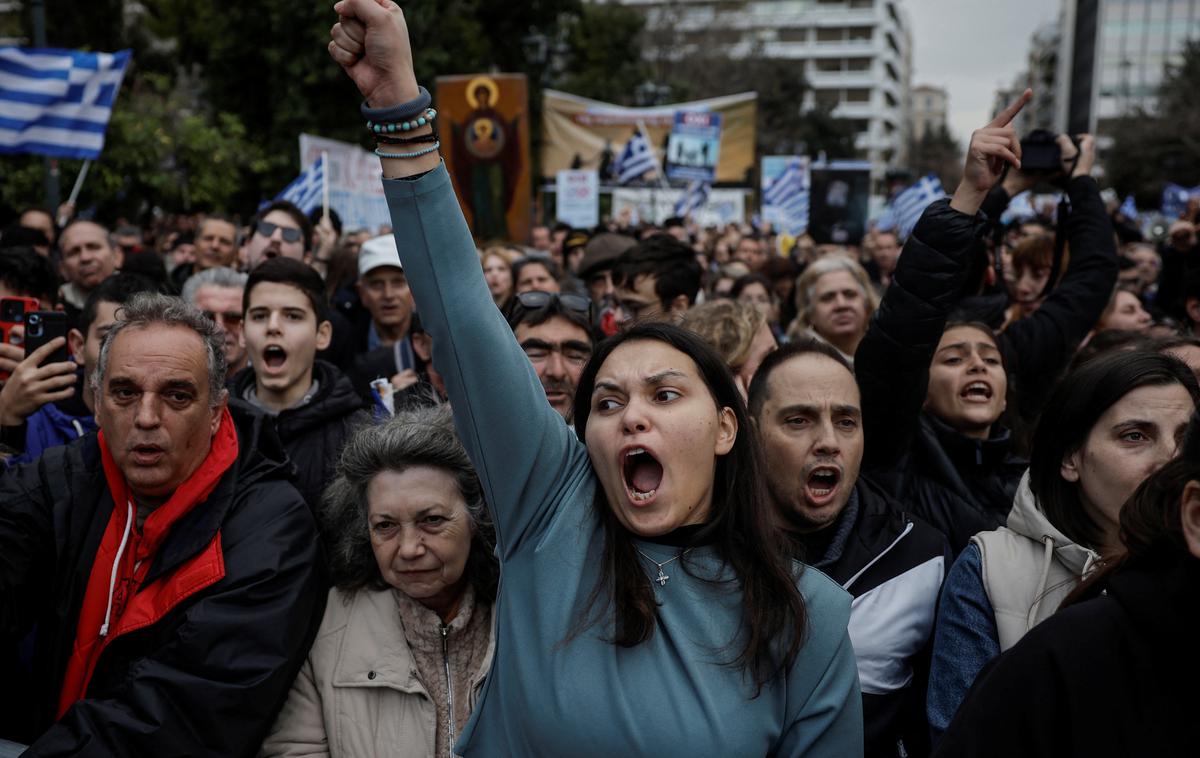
(555, 330)
(217, 292)
(280, 229)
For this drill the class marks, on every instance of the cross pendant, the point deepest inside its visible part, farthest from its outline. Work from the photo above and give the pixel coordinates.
(661, 578)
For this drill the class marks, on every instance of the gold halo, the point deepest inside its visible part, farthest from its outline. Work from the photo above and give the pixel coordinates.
(485, 82)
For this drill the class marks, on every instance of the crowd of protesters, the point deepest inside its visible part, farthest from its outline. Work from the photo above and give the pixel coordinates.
(300, 489)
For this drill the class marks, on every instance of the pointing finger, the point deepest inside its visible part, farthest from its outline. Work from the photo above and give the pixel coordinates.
(1008, 114)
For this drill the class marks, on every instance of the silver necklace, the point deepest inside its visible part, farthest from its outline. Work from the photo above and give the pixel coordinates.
(662, 575)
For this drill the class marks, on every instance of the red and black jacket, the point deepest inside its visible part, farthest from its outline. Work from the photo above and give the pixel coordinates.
(207, 676)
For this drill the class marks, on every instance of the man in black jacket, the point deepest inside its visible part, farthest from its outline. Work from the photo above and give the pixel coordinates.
(313, 404)
(806, 408)
(165, 572)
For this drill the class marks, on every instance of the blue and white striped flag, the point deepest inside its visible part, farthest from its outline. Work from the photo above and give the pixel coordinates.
(1129, 209)
(57, 102)
(1019, 209)
(790, 194)
(912, 202)
(693, 198)
(305, 190)
(635, 160)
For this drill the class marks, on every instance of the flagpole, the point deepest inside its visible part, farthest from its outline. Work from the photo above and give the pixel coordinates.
(324, 184)
(79, 180)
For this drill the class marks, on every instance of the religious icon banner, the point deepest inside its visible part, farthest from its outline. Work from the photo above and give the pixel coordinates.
(483, 125)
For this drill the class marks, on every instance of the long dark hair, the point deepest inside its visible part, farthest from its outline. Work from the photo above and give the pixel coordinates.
(1076, 404)
(740, 527)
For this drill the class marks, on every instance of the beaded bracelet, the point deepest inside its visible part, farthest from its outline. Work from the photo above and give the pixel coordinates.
(400, 112)
(390, 140)
(402, 126)
(414, 154)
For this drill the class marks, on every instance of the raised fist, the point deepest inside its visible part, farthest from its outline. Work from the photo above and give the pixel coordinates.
(370, 41)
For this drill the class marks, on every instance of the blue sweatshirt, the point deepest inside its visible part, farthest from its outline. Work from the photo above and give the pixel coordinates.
(674, 693)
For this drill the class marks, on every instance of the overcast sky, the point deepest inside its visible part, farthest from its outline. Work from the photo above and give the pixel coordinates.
(972, 48)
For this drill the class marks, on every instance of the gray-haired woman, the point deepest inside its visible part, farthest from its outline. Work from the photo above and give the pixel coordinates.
(407, 635)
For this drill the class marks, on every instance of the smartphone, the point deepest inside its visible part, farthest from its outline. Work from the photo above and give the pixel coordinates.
(40, 328)
(12, 321)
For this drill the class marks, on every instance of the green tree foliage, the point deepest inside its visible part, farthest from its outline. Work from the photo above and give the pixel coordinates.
(218, 94)
(605, 54)
(1164, 146)
(938, 152)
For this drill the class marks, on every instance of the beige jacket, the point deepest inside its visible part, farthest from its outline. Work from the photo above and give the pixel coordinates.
(359, 693)
(1029, 567)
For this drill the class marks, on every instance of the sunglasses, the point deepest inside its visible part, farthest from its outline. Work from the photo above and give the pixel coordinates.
(266, 229)
(535, 300)
(232, 317)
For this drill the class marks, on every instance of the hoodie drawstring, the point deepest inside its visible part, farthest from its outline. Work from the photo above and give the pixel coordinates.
(112, 582)
(1047, 558)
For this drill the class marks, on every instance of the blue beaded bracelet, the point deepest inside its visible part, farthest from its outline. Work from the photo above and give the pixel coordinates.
(401, 112)
(402, 126)
(414, 154)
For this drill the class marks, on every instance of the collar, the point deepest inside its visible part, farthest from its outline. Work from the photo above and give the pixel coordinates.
(221, 455)
(838, 534)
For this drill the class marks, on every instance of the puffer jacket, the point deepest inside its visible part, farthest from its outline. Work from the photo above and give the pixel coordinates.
(209, 669)
(958, 485)
(360, 694)
(1028, 567)
(1006, 582)
(314, 433)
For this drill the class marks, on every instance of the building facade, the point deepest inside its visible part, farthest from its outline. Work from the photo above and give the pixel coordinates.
(855, 54)
(929, 109)
(1113, 54)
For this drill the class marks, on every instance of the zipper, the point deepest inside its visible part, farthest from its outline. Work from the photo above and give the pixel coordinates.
(449, 687)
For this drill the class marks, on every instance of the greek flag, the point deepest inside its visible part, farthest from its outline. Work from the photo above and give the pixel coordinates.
(789, 193)
(1020, 208)
(693, 199)
(635, 160)
(912, 202)
(1129, 209)
(305, 190)
(57, 102)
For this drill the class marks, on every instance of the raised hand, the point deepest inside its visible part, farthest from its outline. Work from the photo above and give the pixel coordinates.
(1086, 152)
(991, 148)
(370, 41)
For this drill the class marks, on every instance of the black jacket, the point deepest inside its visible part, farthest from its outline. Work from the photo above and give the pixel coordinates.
(893, 565)
(956, 484)
(1113, 676)
(314, 433)
(1038, 348)
(208, 677)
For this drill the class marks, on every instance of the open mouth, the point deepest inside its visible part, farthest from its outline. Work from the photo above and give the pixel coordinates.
(977, 391)
(822, 482)
(147, 455)
(643, 475)
(274, 356)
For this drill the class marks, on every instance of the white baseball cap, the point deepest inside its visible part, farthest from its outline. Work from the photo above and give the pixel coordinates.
(377, 252)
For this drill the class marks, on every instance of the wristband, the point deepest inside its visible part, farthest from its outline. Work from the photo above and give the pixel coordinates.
(414, 154)
(401, 112)
(388, 139)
